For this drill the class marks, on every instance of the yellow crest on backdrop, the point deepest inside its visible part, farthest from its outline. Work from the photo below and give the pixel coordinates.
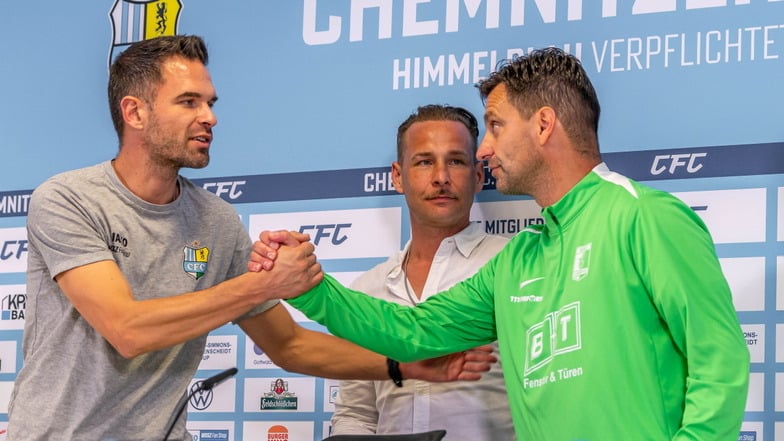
(137, 20)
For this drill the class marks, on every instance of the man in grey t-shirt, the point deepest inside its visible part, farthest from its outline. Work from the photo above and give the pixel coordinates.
(131, 265)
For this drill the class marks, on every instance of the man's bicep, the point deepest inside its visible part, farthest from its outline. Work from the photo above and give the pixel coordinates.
(98, 291)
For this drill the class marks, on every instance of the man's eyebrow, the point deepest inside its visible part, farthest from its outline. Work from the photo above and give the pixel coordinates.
(196, 95)
(488, 114)
(189, 95)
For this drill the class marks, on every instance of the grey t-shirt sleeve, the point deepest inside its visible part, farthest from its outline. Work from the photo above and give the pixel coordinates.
(256, 311)
(64, 232)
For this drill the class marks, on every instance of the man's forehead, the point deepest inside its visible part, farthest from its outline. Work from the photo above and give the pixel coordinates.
(497, 95)
(175, 65)
(453, 147)
(437, 124)
(496, 99)
(181, 75)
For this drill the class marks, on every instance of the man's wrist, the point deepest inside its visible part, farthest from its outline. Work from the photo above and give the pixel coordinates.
(393, 369)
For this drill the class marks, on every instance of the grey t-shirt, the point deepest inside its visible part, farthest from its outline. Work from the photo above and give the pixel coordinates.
(74, 385)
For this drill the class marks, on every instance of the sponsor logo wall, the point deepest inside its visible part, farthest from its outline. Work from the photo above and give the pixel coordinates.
(311, 93)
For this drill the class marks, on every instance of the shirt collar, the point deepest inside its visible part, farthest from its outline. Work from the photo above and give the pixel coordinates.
(560, 214)
(465, 242)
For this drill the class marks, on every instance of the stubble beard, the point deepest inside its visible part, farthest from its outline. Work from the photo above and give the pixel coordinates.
(526, 183)
(167, 150)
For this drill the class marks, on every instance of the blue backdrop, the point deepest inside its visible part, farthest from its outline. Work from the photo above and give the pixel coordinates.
(311, 93)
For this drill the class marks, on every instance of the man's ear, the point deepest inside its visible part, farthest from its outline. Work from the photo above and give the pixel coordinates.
(134, 112)
(397, 177)
(545, 120)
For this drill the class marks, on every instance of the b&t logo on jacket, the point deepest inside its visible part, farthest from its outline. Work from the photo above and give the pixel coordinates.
(195, 260)
(138, 20)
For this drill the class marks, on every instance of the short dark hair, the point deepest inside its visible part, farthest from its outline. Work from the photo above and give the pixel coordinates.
(551, 77)
(137, 70)
(438, 112)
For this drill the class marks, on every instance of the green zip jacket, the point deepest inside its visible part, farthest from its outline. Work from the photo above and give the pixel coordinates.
(614, 321)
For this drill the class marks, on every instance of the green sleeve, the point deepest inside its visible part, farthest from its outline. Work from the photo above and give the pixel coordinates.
(455, 320)
(676, 257)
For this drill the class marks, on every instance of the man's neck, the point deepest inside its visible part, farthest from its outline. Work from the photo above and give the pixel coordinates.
(419, 257)
(560, 178)
(426, 240)
(155, 185)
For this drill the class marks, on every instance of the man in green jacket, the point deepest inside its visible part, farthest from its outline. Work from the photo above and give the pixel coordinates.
(613, 318)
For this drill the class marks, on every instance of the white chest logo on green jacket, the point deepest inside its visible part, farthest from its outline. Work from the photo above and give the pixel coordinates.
(582, 262)
(527, 297)
(195, 261)
(557, 334)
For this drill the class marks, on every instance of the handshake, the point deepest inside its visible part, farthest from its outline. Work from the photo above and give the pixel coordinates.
(288, 261)
(289, 256)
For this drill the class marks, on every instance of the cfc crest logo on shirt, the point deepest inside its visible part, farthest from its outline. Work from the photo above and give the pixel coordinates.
(195, 260)
(138, 20)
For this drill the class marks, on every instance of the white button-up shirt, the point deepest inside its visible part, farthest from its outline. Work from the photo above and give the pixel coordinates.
(467, 410)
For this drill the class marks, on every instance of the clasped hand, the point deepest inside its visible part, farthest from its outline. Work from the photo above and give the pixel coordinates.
(286, 248)
(265, 250)
(465, 366)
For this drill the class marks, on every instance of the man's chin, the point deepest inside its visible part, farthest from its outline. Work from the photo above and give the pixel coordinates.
(504, 188)
(501, 187)
(197, 163)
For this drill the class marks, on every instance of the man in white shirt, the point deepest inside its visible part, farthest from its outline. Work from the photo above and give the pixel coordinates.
(437, 173)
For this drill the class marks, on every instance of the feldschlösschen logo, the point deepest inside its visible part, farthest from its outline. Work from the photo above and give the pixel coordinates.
(137, 20)
(279, 397)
